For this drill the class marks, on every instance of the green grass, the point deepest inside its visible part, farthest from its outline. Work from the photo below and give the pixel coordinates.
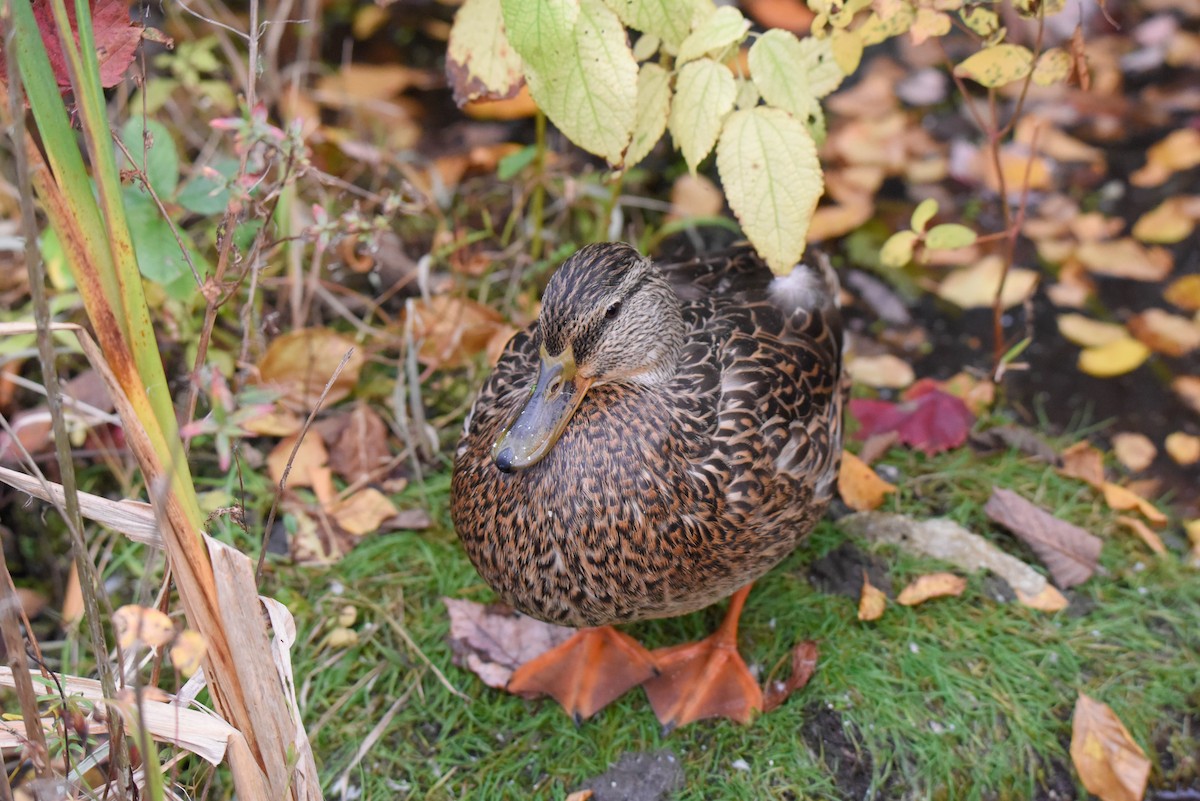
(958, 698)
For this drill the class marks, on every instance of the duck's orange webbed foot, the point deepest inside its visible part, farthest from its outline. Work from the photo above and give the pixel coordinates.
(587, 672)
(705, 679)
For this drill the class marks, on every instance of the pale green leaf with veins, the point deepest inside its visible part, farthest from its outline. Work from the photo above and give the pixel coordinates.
(724, 27)
(653, 105)
(824, 74)
(772, 178)
(778, 68)
(704, 95)
(669, 20)
(588, 87)
(480, 62)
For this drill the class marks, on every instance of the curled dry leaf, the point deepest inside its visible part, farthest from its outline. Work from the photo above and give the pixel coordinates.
(1134, 450)
(1183, 448)
(932, 585)
(1109, 763)
(493, 641)
(1144, 532)
(804, 664)
(300, 363)
(360, 450)
(861, 487)
(872, 601)
(1069, 552)
(150, 627)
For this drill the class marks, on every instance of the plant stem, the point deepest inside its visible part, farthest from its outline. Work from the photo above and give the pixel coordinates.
(537, 206)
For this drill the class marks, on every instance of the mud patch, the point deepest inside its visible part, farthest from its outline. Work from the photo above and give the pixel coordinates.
(840, 572)
(837, 745)
(656, 776)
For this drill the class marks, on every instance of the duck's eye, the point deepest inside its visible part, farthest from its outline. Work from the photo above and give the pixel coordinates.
(612, 311)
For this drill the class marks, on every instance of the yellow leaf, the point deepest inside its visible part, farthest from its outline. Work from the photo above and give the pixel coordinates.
(932, 585)
(1048, 600)
(1180, 150)
(1152, 540)
(1109, 763)
(923, 213)
(1116, 358)
(1185, 292)
(363, 512)
(976, 286)
(871, 602)
(671, 22)
(884, 371)
(704, 95)
(1192, 527)
(187, 652)
(768, 163)
(997, 65)
(133, 623)
(1053, 66)
(1121, 499)
(861, 487)
(897, 251)
(653, 107)
(929, 24)
(1169, 222)
(775, 59)
(847, 49)
(480, 63)
(1089, 333)
(1183, 448)
(309, 466)
(1134, 450)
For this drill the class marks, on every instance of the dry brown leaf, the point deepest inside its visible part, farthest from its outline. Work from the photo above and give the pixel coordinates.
(133, 623)
(1180, 150)
(365, 82)
(1183, 448)
(493, 641)
(1084, 462)
(1067, 551)
(363, 512)
(1034, 131)
(453, 330)
(804, 664)
(1126, 258)
(883, 371)
(1165, 332)
(360, 450)
(872, 601)
(1152, 540)
(276, 423)
(1121, 499)
(309, 468)
(791, 15)
(300, 363)
(861, 487)
(839, 219)
(1134, 450)
(1184, 292)
(1109, 763)
(1187, 387)
(1013, 436)
(931, 585)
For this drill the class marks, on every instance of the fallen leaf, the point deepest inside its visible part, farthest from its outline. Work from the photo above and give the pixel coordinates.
(695, 195)
(1134, 450)
(978, 394)
(1089, 333)
(932, 585)
(309, 467)
(883, 371)
(872, 601)
(1187, 387)
(838, 219)
(804, 664)
(493, 641)
(1180, 150)
(1171, 221)
(1166, 333)
(1152, 540)
(453, 330)
(1192, 528)
(1109, 763)
(1116, 358)
(1084, 462)
(300, 363)
(1183, 448)
(1126, 258)
(1122, 499)
(861, 487)
(1067, 551)
(946, 540)
(187, 652)
(932, 421)
(363, 512)
(1017, 437)
(360, 450)
(1184, 292)
(581, 795)
(150, 627)
(791, 15)
(276, 423)
(973, 287)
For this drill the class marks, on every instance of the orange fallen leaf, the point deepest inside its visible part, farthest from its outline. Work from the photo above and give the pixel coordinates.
(1109, 763)
(309, 467)
(581, 795)
(1166, 333)
(1152, 540)
(839, 219)
(695, 196)
(133, 623)
(931, 585)
(453, 330)
(861, 487)
(1134, 450)
(1121, 499)
(1084, 462)
(363, 512)
(276, 423)
(1048, 600)
(517, 107)
(872, 601)
(804, 664)
(1184, 292)
(1183, 448)
(301, 363)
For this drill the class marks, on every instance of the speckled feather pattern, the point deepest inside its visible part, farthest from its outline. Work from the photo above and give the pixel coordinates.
(658, 501)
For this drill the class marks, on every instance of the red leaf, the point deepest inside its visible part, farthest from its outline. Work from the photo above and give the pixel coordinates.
(929, 419)
(117, 38)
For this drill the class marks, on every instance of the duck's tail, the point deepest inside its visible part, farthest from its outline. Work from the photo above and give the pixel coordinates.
(812, 285)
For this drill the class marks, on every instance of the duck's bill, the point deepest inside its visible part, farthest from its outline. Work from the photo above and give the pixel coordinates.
(541, 421)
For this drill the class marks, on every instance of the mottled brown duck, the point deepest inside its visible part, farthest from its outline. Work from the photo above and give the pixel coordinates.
(662, 436)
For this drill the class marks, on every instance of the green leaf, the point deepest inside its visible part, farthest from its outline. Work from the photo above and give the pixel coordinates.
(772, 178)
(778, 69)
(997, 65)
(480, 62)
(924, 212)
(669, 20)
(704, 95)
(205, 195)
(897, 251)
(587, 85)
(747, 94)
(540, 30)
(824, 74)
(155, 154)
(653, 106)
(513, 163)
(949, 236)
(158, 253)
(722, 28)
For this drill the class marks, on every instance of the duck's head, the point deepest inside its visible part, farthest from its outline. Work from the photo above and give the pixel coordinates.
(608, 316)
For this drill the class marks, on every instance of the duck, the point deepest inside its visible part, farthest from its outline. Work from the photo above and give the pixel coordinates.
(659, 438)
